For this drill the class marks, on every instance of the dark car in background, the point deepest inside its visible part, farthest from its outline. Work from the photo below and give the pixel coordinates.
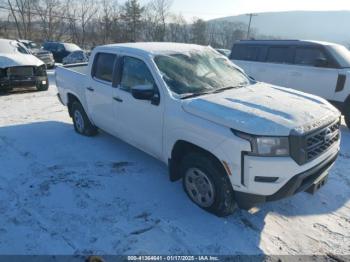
(79, 56)
(60, 50)
(39, 52)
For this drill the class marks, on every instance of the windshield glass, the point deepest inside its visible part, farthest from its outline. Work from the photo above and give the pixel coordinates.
(71, 47)
(12, 47)
(33, 45)
(199, 71)
(30, 45)
(342, 54)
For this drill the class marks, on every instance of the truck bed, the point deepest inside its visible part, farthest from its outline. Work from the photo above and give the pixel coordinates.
(71, 79)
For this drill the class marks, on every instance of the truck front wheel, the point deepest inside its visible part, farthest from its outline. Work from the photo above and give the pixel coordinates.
(207, 184)
(82, 124)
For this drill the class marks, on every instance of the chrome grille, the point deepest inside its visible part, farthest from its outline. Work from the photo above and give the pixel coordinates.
(318, 142)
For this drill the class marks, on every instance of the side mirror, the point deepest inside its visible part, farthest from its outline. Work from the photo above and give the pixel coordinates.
(321, 62)
(145, 92)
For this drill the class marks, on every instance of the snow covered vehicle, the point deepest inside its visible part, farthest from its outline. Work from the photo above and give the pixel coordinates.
(39, 52)
(314, 67)
(230, 139)
(18, 68)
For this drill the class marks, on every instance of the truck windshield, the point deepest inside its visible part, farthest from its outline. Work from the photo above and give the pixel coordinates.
(342, 54)
(197, 72)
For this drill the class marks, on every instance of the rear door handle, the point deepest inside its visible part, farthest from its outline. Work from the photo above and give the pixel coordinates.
(118, 99)
(90, 89)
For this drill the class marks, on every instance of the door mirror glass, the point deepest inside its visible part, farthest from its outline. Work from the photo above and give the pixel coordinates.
(143, 92)
(321, 62)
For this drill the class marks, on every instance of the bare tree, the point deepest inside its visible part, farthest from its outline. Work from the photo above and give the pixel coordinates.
(51, 18)
(12, 7)
(92, 22)
(178, 29)
(106, 20)
(157, 14)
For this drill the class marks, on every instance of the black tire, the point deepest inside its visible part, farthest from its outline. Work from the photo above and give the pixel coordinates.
(222, 203)
(82, 124)
(347, 114)
(41, 87)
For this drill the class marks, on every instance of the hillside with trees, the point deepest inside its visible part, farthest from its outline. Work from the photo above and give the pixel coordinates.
(89, 23)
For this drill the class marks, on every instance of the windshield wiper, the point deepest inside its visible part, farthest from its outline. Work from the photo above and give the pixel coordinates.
(190, 95)
(227, 88)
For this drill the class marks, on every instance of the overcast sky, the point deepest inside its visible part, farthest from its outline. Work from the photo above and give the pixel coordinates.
(208, 9)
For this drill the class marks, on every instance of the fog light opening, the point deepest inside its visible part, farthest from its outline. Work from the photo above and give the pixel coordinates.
(263, 179)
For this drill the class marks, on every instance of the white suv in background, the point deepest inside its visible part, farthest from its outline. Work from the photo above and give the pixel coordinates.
(231, 140)
(313, 67)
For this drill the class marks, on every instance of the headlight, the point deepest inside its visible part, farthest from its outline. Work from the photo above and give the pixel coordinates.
(266, 146)
(41, 70)
(272, 146)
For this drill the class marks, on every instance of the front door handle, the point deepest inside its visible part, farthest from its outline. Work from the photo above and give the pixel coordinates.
(118, 99)
(90, 89)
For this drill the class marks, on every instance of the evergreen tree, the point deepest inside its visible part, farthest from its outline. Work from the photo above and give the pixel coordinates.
(131, 16)
(199, 32)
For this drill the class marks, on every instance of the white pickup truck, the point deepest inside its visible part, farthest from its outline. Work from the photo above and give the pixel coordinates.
(232, 141)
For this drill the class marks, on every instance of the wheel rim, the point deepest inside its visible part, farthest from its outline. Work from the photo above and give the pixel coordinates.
(79, 121)
(199, 187)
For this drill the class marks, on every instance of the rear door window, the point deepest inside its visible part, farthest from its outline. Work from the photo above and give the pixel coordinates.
(308, 56)
(280, 55)
(246, 53)
(104, 66)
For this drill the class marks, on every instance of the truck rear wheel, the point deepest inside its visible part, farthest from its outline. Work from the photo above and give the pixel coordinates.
(347, 116)
(82, 124)
(207, 184)
(347, 119)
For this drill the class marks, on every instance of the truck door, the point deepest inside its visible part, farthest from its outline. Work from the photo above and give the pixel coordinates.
(99, 92)
(275, 67)
(139, 122)
(313, 72)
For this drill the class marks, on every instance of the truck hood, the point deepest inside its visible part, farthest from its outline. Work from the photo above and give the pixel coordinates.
(11, 60)
(263, 109)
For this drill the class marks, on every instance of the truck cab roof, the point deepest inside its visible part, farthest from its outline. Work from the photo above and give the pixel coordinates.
(153, 48)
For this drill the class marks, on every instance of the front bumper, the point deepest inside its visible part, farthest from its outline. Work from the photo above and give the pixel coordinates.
(299, 183)
(32, 81)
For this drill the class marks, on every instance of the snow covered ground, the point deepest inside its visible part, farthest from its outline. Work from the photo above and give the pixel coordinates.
(61, 193)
